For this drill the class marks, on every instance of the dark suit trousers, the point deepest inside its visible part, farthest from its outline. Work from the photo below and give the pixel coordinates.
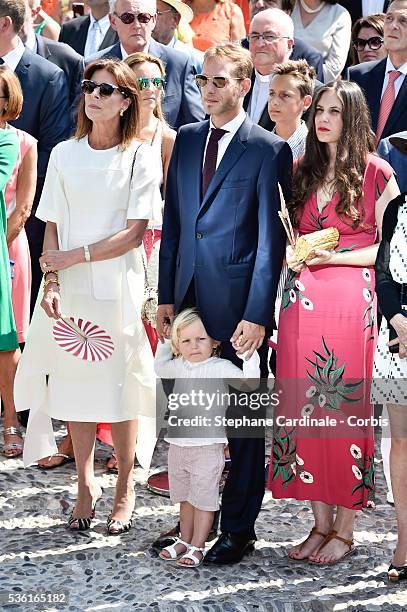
(244, 489)
(35, 229)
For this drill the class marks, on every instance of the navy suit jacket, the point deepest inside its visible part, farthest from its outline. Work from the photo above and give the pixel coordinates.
(232, 242)
(302, 50)
(182, 100)
(45, 113)
(370, 76)
(70, 62)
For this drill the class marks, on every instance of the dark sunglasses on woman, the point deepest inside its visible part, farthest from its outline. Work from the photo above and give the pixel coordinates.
(144, 82)
(129, 18)
(105, 89)
(374, 43)
(218, 81)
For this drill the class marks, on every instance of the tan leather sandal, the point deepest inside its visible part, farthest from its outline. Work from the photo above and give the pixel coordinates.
(334, 536)
(314, 531)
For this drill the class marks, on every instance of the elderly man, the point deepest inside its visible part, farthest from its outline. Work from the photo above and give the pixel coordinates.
(134, 22)
(169, 16)
(271, 39)
(301, 50)
(384, 82)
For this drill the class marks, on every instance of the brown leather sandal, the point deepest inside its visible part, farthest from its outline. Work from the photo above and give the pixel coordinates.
(334, 536)
(314, 531)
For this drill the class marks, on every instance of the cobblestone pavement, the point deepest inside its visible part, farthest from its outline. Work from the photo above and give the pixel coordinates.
(116, 573)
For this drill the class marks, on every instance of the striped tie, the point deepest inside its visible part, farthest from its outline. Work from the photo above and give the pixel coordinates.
(387, 102)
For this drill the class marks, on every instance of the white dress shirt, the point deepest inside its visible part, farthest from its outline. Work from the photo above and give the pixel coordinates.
(259, 97)
(12, 58)
(224, 142)
(372, 7)
(31, 42)
(399, 81)
(96, 33)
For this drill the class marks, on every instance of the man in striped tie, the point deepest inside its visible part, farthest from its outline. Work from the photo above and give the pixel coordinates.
(384, 82)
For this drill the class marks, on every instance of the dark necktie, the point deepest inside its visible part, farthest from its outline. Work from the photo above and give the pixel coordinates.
(211, 156)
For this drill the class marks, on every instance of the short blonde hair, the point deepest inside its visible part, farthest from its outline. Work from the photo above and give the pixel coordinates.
(181, 321)
(234, 52)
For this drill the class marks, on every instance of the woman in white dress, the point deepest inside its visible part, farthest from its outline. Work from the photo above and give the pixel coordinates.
(99, 193)
(390, 368)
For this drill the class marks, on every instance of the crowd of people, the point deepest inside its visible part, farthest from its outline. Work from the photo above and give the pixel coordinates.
(161, 162)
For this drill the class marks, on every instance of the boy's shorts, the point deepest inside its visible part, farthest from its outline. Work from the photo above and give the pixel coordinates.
(194, 474)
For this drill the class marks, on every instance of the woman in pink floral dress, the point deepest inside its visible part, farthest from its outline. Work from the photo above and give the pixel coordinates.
(327, 328)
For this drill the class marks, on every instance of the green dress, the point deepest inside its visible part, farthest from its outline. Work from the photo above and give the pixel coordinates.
(8, 156)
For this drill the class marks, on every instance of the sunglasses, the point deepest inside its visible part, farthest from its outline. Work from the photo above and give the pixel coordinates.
(218, 81)
(144, 82)
(105, 89)
(373, 43)
(129, 18)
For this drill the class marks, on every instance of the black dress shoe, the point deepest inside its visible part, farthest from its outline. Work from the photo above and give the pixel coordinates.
(230, 548)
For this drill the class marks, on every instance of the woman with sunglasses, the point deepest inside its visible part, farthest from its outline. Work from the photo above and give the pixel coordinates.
(367, 39)
(100, 191)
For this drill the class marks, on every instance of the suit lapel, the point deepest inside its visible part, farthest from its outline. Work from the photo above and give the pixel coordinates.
(193, 160)
(235, 149)
(373, 90)
(109, 39)
(82, 34)
(399, 107)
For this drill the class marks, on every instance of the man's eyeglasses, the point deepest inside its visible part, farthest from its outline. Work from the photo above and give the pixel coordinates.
(267, 37)
(105, 89)
(374, 43)
(144, 82)
(218, 81)
(129, 18)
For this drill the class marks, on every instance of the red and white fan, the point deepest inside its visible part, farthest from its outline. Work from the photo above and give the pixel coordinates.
(83, 339)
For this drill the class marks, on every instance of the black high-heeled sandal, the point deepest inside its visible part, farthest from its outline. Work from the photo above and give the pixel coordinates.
(80, 523)
(396, 573)
(116, 527)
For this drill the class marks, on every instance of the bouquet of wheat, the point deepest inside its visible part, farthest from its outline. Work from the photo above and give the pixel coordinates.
(305, 246)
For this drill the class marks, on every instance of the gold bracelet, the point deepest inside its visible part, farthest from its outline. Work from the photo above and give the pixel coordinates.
(50, 281)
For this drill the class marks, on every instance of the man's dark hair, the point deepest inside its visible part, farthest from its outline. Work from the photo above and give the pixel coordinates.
(15, 9)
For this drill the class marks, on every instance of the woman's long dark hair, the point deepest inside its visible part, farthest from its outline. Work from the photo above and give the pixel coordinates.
(355, 142)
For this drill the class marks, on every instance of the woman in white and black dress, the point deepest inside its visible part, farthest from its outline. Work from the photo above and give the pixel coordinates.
(390, 369)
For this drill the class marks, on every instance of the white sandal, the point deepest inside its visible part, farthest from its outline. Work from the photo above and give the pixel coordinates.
(190, 555)
(172, 552)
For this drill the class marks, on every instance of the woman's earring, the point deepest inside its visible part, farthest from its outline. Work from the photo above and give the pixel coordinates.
(121, 112)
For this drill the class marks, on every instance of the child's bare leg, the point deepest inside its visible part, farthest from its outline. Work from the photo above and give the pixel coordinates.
(186, 520)
(203, 520)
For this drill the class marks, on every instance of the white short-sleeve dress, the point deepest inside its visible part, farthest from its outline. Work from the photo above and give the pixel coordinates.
(90, 196)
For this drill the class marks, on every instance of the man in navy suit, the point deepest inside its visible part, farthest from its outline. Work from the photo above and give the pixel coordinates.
(45, 113)
(60, 54)
(385, 80)
(134, 21)
(222, 249)
(90, 33)
(300, 50)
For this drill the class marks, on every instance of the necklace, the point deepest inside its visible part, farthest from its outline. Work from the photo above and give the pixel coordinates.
(309, 10)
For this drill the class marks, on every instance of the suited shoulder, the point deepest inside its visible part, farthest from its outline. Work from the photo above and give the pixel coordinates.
(61, 49)
(110, 52)
(258, 136)
(38, 67)
(364, 68)
(168, 54)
